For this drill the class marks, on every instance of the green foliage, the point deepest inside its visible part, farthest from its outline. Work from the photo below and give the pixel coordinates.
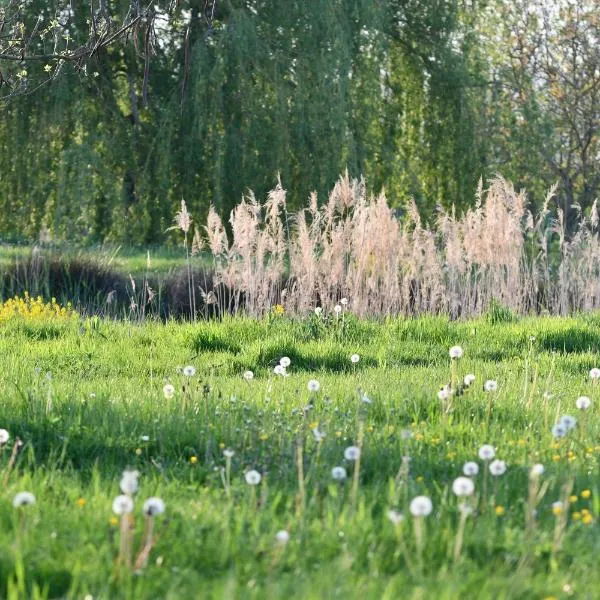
(102, 409)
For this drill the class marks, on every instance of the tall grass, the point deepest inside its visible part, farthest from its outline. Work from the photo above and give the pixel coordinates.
(354, 246)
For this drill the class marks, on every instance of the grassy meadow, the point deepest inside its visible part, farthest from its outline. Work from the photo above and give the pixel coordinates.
(87, 398)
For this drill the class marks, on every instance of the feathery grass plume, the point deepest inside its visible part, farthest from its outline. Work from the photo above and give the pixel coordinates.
(183, 221)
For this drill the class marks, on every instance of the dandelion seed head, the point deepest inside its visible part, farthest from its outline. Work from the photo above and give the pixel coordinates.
(490, 385)
(595, 373)
(536, 470)
(153, 506)
(470, 469)
(318, 311)
(189, 371)
(420, 506)
(463, 486)
(282, 537)
(354, 358)
(339, 473)
(253, 477)
(469, 379)
(337, 309)
(285, 362)
(129, 482)
(395, 517)
(559, 431)
(583, 403)
(4, 436)
(344, 301)
(168, 391)
(455, 352)
(23, 499)
(486, 452)
(280, 370)
(497, 468)
(122, 505)
(248, 375)
(228, 453)
(313, 385)
(352, 453)
(568, 422)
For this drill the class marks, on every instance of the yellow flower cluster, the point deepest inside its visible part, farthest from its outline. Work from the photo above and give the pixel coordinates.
(35, 309)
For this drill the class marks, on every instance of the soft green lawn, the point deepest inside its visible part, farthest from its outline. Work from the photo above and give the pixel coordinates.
(84, 396)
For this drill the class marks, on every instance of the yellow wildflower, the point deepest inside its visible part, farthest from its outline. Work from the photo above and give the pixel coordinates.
(193, 459)
(585, 494)
(499, 510)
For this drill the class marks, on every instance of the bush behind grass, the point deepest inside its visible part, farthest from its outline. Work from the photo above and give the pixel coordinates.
(82, 399)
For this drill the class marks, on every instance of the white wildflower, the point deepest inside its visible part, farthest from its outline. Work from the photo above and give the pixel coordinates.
(354, 358)
(248, 375)
(4, 436)
(469, 379)
(285, 362)
(395, 517)
(168, 391)
(282, 537)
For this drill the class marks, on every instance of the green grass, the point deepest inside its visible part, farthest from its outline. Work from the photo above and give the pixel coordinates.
(82, 396)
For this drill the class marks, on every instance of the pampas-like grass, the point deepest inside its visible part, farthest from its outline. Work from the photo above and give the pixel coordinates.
(354, 246)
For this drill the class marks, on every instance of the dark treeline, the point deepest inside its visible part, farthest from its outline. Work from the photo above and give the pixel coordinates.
(422, 97)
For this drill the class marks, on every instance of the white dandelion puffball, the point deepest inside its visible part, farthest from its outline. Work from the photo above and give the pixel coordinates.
(395, 517)
(595, 373)
(122, 505)
(497, 468)
(228, 453)
(23, 499)
(318, 435)
(285, 362)
(280, 370)
(444, 393)
(337, 309)
(313, 385)
(469, 379)
(421, 506)
(470, 469)
(253, 477)
(189, 371)
(248, 375)
(354, 358)
(153, 507)
(486, 452)
(4, 436)
(168, 391)
(490, 385)
(455, 352)
(344, 301)
(568, 422)
(339, 473)
(463, 486)
(282, 537)
(583, 403)
(352, 453)
(129, 482)
(536, 470)
(318, 311)
(559, 431)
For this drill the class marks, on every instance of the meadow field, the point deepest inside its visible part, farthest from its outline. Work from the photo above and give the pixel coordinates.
(299, 481)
